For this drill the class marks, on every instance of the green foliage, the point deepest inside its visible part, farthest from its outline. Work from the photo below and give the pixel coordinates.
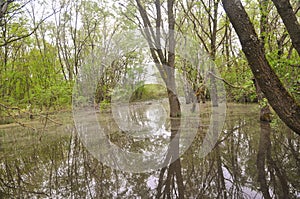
(33, 78)
(54, 96)
(104, 105)
(288, 70)
(241, 77)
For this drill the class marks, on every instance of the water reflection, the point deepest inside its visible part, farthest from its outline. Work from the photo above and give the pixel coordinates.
(141, 119)
(128, 139)
(272, 167)
(250, 160)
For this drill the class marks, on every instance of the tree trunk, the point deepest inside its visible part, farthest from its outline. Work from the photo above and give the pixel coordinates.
(165, 63)
(171, 86)
(281, 101)
(213, 43)
(289, 19)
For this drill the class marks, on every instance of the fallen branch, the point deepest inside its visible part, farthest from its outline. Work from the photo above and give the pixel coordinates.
(14, 117)
(28, 113)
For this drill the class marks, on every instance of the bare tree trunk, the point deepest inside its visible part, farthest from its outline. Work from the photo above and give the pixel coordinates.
(171, 86)
(279, 98)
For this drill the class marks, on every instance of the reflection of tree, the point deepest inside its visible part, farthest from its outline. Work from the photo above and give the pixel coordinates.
(172, 186)
(264, 148)
(250, 160)
(221, 182)
(167, 188)
(278, 178)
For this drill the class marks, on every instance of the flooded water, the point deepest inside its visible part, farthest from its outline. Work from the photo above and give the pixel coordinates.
(249, 159)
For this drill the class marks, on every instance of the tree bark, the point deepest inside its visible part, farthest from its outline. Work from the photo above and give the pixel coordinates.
(289, 19)
(279, 98)
(170, 69)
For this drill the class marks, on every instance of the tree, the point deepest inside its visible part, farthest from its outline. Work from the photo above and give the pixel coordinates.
(164, 62)
(289, 19)
(10, 12)
(206, 27)
(164, 58)
(67, 35)
(279, 98)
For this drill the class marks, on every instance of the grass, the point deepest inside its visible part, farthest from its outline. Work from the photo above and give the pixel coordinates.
(149, 92)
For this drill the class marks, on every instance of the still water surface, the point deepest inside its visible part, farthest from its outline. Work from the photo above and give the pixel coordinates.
(250, 160)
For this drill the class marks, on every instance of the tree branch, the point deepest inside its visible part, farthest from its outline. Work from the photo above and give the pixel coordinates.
(28, 34)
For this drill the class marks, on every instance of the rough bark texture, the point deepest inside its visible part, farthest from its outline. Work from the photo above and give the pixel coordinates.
(281, 101)
(289, 19)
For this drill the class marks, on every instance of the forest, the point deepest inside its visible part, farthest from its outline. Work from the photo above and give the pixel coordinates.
(44, 44)
(226, 54)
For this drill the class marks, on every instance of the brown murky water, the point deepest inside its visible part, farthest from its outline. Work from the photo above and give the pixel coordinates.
(249, 160)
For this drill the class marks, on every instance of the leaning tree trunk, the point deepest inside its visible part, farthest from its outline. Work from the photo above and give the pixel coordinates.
(279, 98)
(289, 19)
